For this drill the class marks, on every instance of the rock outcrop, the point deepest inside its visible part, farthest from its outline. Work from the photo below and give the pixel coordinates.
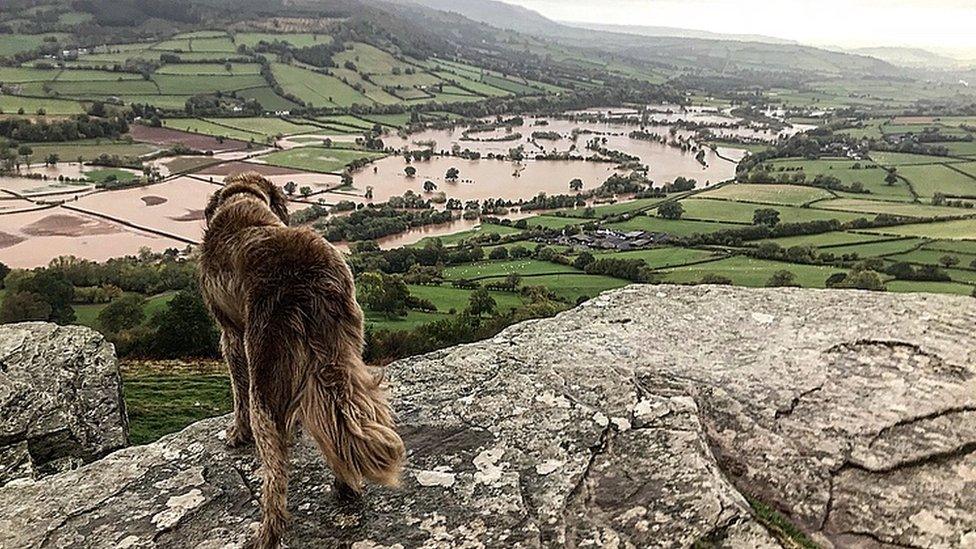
(60, 399)
(642, 418)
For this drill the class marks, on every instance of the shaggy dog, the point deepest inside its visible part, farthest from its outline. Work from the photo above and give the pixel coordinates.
(293, 340)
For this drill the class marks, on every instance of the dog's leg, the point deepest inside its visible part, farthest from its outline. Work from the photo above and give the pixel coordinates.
(271, 369)
(232, 345)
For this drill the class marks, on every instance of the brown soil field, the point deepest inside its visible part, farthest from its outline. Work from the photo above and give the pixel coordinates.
(166, 136)
(68, 225)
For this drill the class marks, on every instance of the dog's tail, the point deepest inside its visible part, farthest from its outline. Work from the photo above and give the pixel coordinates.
(345, 410)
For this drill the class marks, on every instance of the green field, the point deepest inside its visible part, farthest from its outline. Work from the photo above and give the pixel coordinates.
(269, 127)
(11, 104)
(159, 403)
(961, 229)
(893, 208)
(90, 149)
(785, 195)
(302, 40)
(877, 248)
(746, 271)
(680, 227)
(659, 258)
(868, 174)
(316, 89)
(199, 125)
(937, 178)
(836, 238)
(488, 269)
(741, 212)
(317, 159)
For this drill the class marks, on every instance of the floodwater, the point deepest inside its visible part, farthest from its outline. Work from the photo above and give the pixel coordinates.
(174, 207)
(480, 179)
(32, 239)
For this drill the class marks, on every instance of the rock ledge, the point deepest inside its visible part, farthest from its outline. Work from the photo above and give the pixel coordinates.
(639, 419)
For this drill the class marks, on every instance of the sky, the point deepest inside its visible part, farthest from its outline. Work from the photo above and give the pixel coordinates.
(944, 26)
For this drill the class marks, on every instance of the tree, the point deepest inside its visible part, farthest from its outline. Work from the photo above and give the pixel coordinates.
(122, 314)
(671, 210)
(5, 270)
(583, 259)
(765, 216)
(24, 306)
(382, 293)
(452, 174)
(52, 159)
(782, 278)
(26, 152)
(305, 191)
(500, 252)
(52, 287)
(429, 186)
(892, 177)
(410, 171)
(290, 188)
(948, 261)
(184, 328)
(576, 185)
(481, 302)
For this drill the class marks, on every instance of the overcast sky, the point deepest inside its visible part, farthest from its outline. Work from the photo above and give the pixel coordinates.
(948, 26)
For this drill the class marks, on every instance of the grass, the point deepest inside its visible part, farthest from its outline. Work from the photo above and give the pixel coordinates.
(893, 208)
(159, 404)
(316, 89)
(821, 240)
(89, 149)
(906, 286)
(937, 178)
(368, 59)
(11, 44)
(206, 127)
(931, 257)
(869, 175)
(553, 221)
(267, 98)
(104, 174)
(904, 159)
(681, 227)
(877, 249)
(87, 314)
(301, 40)
(490, 269)
(961, 229)
(447, 298)
(571, 287)
(451, 239)
(209, 69)
(660, 258)
(740, 212)
(317, 159)
(786, 195)
(614, 209)
(264, 125)
(10, 104)
(747, 271)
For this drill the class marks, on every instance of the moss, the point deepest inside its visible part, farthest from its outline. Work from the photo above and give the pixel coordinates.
(787, 533)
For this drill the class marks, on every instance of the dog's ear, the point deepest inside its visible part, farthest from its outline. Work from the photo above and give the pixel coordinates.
(276, 200)
(212, 204)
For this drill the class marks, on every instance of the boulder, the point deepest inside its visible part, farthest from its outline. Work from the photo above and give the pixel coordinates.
(60, 399)
(648, 417)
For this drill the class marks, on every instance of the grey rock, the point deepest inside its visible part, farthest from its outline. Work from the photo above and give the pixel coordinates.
(637, 420)
(60, 399)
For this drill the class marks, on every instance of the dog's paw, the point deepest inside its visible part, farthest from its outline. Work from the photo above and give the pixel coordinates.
(345, 493)
(239, 438)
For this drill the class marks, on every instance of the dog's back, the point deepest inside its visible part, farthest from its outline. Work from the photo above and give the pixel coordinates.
(288, 297)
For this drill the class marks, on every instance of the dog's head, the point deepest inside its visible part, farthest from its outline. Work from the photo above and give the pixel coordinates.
(252, 184)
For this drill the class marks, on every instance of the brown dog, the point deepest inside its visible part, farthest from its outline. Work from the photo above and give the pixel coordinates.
(293, 340)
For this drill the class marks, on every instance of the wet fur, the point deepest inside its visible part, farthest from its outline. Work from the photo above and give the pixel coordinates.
(293, 339)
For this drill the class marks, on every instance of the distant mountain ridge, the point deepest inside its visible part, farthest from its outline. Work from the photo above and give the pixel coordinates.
(675, 32)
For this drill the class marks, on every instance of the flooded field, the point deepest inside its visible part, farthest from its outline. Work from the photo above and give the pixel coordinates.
(174, 207)
(102, 224)
(480, 179)
(34, 238)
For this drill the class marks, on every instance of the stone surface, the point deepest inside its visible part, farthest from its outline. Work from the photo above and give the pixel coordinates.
(639, 419)
(60, 399)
